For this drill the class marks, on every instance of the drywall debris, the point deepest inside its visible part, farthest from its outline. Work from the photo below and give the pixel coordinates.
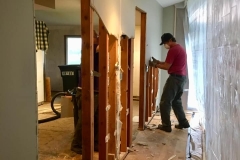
(152, 126)
(142, 143)
(171, 157)
(131, 150)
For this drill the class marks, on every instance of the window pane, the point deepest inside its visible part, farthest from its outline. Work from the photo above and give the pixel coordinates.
(74, 48)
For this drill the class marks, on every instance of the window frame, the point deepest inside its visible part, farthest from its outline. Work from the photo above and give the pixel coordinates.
(65, 45)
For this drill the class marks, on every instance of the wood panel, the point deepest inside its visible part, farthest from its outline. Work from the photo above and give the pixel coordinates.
(103, 91)
(124, 90)
(87, 80)
(130, 91)
(142, 72)
(113, 50)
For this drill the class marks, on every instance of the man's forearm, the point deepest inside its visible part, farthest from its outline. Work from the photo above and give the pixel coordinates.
(161, 66)
(159, 62)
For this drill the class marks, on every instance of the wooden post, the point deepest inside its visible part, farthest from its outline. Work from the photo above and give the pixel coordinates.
(142, 71)
(113, 50)
(87, 80)
(147, 96)
(130, 91)
(124, 90)
(103, 91)
(154, 89)
(150, 91)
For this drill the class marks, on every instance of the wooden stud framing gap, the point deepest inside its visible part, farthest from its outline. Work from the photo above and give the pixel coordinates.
(130, 91)
(103, 91)
(150, 91)
(124, 90)
(147, 96)
(87, 80)
(142, 71)
(113, 50)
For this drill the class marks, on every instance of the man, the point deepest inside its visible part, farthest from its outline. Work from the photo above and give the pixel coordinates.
(76, 145)
(175, 64)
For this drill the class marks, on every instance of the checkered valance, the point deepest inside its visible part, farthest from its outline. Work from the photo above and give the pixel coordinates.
(41, 35)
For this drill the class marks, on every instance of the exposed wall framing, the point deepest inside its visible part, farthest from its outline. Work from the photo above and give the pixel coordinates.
(103, 91)
(113, 50)
(151, 91)
(110, 115)
(142, 71)
(147, 114)
(87, 80)
(124, 92)
(130, 91)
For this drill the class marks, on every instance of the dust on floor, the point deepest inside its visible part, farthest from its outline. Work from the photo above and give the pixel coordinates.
(54, 140)
(154, 144)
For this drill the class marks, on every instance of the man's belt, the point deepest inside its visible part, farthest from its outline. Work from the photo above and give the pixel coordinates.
(177, 75)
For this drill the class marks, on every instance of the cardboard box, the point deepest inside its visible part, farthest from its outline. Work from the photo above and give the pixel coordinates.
(66, 106)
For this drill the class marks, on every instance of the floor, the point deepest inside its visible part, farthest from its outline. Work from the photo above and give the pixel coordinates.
(154, 144)
(55, 138)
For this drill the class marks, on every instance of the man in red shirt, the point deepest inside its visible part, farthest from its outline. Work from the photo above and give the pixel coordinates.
(175, 64)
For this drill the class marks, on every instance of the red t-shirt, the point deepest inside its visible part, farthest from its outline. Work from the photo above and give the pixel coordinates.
(178, 58)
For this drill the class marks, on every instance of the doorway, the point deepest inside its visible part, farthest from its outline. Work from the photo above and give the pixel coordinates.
(139, 69)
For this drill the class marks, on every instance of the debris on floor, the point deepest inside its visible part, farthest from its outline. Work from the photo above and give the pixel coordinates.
(142, 143)
(153, 143)
(172, 157)
(152, 126)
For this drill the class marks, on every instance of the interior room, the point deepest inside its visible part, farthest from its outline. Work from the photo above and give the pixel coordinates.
(86, 79)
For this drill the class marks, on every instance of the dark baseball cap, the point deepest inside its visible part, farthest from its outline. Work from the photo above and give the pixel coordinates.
(166, 37)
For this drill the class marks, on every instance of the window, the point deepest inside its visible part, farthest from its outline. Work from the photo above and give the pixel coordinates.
(73, 50)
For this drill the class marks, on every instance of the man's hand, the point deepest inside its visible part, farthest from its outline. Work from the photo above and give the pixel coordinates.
(152, 63)
(155, 60)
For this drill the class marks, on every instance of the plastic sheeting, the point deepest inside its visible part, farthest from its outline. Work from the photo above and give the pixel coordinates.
(213, 48)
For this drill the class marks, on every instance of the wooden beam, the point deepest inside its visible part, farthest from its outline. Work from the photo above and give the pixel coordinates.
(103, 91)
(87, 80)
(154, 89)
(124, 89)
(113, 50)
(147, 96)
(157, 84)
(45, 3)
(130, 91)
(142, 71)
(111, 157)
(150, 92)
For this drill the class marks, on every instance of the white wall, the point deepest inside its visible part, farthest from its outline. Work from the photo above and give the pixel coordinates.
(119, 19)
(136, 62)
(40, 75)
(168, 27)
(18, 102)
(56, 53)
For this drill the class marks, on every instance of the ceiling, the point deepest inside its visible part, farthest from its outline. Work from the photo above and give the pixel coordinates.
(166, 3)
(67, 12)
